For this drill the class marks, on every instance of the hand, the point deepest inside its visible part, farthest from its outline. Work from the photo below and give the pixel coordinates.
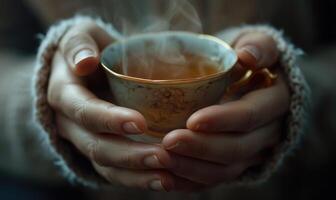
(96, 127)
(222, 141)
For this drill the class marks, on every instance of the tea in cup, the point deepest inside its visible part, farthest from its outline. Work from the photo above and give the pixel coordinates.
(167, 76)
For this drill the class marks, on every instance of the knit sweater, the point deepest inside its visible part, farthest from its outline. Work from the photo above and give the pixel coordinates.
(78, 169)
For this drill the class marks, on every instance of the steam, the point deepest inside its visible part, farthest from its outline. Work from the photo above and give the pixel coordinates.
(133, 17)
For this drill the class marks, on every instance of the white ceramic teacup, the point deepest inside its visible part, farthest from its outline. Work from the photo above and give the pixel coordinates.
(167, 104)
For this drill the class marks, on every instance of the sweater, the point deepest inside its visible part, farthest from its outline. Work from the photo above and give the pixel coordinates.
(78, 169)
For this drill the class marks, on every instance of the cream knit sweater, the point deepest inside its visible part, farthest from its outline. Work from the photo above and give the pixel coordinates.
(78, 169)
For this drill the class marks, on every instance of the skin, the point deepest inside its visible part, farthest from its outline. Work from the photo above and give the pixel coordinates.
(221, 140)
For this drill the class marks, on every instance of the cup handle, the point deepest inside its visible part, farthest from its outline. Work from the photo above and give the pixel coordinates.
(267, 79)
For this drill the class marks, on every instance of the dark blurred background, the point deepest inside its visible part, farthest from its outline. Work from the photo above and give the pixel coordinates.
(310, 172)
(21, 21)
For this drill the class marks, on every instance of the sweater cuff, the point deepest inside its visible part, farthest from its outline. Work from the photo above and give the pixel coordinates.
(73, 165)
(299, 102)
(76, 168)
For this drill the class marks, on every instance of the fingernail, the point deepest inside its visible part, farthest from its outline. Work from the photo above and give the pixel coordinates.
(156, 185)
(201, 127)
(82, 54)
(252, 50)
(131, 128)
(152, 162)
(173, 146)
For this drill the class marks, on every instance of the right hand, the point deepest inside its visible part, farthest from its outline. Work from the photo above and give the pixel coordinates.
(97, 127)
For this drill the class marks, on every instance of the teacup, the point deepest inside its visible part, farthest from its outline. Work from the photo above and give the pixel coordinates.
(167, 104)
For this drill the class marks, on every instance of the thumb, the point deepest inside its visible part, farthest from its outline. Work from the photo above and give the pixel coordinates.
(81, 48)
(256, 49)
(81, 53)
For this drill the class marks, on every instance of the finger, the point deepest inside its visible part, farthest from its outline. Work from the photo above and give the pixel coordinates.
(222, 148)
(112, 150)
(147, 179)
(185, 185)
(122, 160)
(67, 95)
(251, 111)
(256, 49)
(81, 47)
(207, 173)
(153, 180)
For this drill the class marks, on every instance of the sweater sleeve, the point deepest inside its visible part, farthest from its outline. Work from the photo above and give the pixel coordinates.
(74, 166)
(299, 100)
(77, 169)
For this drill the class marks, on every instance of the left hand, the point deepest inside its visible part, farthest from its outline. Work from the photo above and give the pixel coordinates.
(223, 140)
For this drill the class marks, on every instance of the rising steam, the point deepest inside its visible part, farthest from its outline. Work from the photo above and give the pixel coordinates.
(142, 16)
(147, 16)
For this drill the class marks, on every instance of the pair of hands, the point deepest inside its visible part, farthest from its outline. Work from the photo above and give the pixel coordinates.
(221, 141)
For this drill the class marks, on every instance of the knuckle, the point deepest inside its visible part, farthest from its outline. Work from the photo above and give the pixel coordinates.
(75, 41)
(127, 159)
(93, 150)
(81, 114)
(109, 123)
(77, 38)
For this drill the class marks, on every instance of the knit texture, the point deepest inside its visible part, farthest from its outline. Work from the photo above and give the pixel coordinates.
(76, 168)
(72, 164)
(299, 104)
